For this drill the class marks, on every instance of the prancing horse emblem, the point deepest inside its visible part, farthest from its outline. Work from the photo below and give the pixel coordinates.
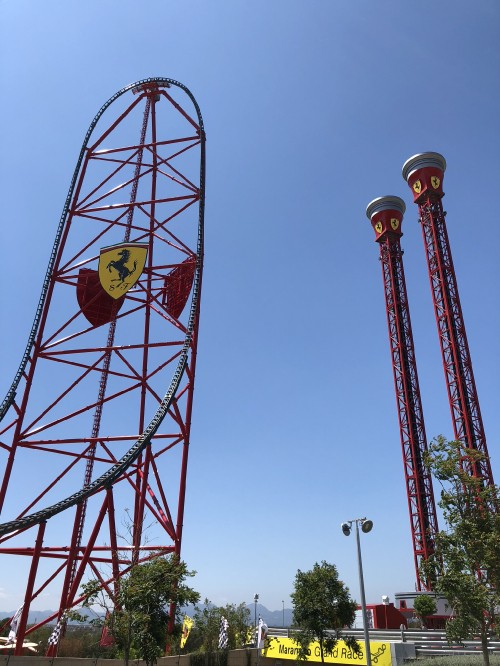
(120, 266)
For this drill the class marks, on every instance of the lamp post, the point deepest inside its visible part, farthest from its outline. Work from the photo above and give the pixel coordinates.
(366, 526)
(255, 600)
(283, 602)
(385, 601)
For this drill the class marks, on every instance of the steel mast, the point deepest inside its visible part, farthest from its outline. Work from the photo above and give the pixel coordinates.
(424, 173)
(386, 216)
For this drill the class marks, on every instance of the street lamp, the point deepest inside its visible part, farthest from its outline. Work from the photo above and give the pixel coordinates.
(366, 526)
(283, 602)
(255, 600)
(385, 601)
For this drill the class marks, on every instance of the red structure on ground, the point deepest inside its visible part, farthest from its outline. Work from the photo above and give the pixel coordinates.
(382, 616)
(424, 173)
(386, 217)
(95, 435)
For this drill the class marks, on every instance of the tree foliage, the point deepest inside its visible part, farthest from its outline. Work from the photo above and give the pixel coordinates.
(205, 634)
(424, 605)
(138, 614)
(81, 641)
(466, 563)
(322, 606)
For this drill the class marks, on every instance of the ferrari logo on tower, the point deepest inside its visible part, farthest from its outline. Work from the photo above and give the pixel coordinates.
(120, 266)
(378, 227)
(394, 223)
(417, 186)
(435, 182)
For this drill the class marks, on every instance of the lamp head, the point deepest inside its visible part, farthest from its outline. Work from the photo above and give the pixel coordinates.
(366, 526)
(256, 597)
(346, 528)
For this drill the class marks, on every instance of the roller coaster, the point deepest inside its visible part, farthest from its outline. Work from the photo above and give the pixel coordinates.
(116, 323)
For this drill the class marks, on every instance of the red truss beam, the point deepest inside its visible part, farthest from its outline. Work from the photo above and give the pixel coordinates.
(386, 216)
(424, 174)
(97, 421)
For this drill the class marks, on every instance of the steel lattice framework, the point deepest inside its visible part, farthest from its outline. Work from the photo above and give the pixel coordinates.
(386, 216)
(424, 173)
(96, 425)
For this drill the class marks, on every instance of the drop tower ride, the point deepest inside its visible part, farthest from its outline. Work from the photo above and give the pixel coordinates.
(386, 216)
(424, 174)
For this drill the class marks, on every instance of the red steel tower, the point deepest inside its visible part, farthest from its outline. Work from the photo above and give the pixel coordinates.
(424, 173)
(95, 436)
(386, 216)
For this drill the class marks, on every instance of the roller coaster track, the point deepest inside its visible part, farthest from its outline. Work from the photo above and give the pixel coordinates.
(110, 476)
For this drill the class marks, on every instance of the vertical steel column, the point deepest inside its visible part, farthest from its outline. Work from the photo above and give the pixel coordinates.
(23, 620)
(386, 216)
(424, 173)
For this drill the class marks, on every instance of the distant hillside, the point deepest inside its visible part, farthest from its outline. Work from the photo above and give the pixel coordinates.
(271, 618)
(39, 615)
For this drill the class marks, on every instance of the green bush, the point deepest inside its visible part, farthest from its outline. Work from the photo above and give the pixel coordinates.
(456, 660)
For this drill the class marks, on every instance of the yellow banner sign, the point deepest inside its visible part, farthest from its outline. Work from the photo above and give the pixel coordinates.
(286, 648)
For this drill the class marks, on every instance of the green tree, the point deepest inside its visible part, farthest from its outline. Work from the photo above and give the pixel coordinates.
(81, 641)
(424, 606)
(322, 606)
(466, 562)
(138, 616)
(205, 633)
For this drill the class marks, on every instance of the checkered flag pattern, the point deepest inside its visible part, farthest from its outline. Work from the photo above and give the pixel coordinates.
(223, 636)
(56, 634)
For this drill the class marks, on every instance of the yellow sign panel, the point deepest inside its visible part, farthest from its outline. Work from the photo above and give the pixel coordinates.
(286, 648)
(120, 266)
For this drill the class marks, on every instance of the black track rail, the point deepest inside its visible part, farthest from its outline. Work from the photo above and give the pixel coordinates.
(109, 477)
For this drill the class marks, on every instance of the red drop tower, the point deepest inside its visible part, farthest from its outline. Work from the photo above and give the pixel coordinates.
(386, 216)
(424, 173)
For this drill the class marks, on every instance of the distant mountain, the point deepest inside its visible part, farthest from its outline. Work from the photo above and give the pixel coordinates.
(271, 618)
(36, 616)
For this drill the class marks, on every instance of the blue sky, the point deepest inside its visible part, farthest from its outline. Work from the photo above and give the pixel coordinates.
(311, 109)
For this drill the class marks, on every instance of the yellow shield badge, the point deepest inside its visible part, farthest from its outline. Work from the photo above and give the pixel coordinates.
(120, 266)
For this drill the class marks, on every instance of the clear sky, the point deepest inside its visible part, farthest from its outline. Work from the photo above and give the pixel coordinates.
(311, 108)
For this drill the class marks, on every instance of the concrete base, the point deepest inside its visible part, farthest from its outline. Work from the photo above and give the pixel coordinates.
(402, 651)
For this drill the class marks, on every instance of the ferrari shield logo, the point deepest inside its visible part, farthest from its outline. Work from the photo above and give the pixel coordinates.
(417, 186)
(394, 223)
(120, 266)
(378, 227)
(435, 182)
